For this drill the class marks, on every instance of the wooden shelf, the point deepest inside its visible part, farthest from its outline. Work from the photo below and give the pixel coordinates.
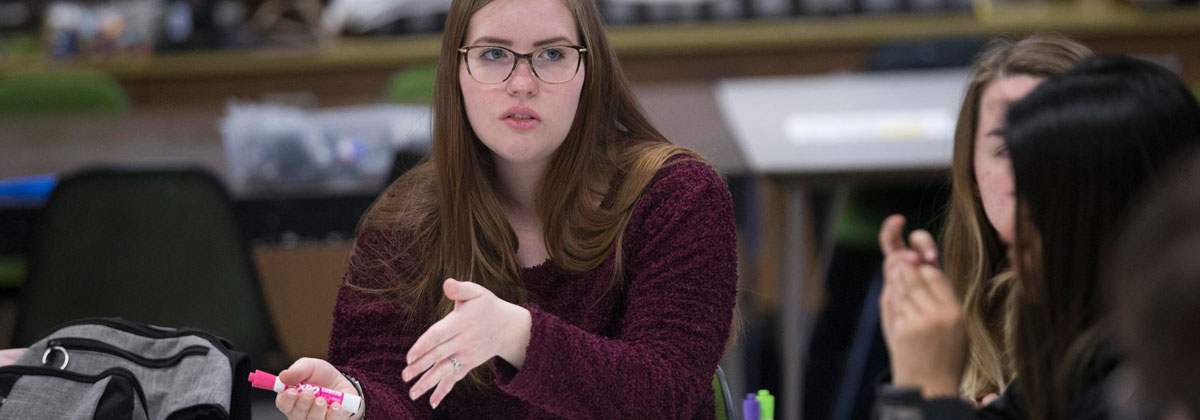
(707, 39)
(871, 30)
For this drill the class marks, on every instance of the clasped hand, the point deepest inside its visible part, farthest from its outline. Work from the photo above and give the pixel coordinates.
(923, 322)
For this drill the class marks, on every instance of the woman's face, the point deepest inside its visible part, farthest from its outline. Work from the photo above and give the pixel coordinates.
(993, 170)
(522, 120)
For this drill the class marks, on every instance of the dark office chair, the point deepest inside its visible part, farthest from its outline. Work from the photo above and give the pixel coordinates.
(847, 353)
(403, 161)
(156, 246)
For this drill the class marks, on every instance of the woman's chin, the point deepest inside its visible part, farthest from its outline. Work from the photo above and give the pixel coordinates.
(521, 157)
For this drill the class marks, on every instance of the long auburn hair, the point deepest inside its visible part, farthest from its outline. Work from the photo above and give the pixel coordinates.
(446, 209)
(972, 254)
(1084, 145)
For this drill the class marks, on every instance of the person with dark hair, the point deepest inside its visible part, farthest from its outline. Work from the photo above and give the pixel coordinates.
(1152, 281)
(1083, 145)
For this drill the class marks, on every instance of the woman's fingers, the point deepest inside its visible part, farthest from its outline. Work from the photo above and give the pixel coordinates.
(445, 385)
(903, 257)
(304, 403)
(285, 401)
(302, 370)
(891, 234)
(891, 242)
(893, 299)
(337, 413)
(10, 356)
(938, 285)
(915, 296)
(459, 291)
(922, 242)
(319, 409)
(431, 379)
(429, 348)
(469, 329)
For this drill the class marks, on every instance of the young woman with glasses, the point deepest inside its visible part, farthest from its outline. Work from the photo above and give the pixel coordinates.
(555, 256)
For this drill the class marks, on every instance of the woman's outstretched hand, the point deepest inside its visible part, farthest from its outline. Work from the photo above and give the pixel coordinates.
(481, 326)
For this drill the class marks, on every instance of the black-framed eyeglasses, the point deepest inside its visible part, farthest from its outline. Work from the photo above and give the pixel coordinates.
(492, 64)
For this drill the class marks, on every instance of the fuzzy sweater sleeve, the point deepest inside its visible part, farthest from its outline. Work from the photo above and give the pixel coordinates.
(370, 336)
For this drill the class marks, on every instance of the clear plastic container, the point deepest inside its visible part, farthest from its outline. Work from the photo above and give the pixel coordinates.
(271, 147)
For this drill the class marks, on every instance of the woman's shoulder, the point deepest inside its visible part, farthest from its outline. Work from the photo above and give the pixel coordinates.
(684, 184)
(685, 213)
(389, 234)
(685, 173)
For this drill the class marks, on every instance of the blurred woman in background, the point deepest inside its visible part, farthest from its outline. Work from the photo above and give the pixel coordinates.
(979, 220)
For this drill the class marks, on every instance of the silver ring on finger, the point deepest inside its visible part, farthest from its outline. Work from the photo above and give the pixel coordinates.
(457, 364)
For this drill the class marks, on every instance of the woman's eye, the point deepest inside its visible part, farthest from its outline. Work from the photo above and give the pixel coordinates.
(494, 54)
(552, 54)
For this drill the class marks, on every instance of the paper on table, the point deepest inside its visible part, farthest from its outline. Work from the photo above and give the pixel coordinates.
(929, 124)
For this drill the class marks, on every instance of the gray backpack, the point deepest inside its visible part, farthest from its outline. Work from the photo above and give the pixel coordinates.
(107, 368)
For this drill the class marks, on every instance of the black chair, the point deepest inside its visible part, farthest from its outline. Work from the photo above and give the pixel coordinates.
(402, 162)
(156, 246)
(847, 353)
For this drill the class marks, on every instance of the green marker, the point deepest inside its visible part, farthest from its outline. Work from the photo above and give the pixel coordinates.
(766, 403)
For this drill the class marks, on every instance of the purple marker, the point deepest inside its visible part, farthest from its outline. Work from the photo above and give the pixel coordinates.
(750, 407)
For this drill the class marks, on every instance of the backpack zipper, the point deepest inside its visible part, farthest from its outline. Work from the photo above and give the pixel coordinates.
(87, 344)
(219, 343)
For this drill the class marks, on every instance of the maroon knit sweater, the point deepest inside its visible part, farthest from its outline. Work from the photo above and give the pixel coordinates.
(647, 352)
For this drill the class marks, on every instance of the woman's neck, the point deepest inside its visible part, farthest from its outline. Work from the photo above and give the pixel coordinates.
(519, 184)
(518, 196)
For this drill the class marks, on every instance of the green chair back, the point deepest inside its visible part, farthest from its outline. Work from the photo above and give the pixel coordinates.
(155, 246)
(726, 409)
(12, 272)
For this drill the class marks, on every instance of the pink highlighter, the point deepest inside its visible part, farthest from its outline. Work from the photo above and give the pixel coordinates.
(264, 380)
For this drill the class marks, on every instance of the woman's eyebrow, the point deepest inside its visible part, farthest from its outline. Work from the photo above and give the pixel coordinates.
(507, 43)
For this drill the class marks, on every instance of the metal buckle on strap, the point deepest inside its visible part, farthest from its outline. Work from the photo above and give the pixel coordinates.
(66, 356)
